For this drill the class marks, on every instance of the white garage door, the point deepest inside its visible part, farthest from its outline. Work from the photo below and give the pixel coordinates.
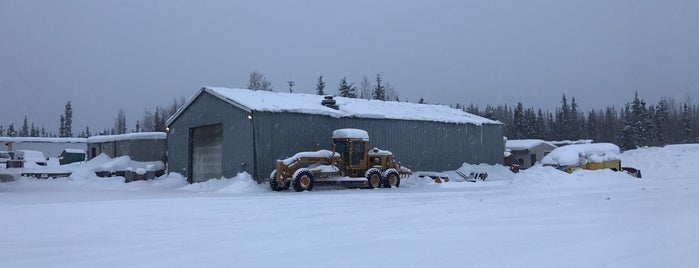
(207, 153)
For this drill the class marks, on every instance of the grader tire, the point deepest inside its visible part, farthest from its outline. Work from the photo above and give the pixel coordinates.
(276, 186)
(303, 181)
(391, 179)
(374, 179)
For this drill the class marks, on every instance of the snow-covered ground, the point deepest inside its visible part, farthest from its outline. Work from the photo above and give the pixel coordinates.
(540, 217)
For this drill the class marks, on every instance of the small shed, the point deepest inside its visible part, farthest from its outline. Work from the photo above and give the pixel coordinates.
(530, 151)
(71, 156)
(143, 146)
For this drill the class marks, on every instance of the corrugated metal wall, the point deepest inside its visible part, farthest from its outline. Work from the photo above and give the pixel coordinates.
(281, 135)
(433, 146)
(237, 135)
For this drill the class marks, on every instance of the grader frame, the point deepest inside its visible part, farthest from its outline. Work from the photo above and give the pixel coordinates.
(350, 163)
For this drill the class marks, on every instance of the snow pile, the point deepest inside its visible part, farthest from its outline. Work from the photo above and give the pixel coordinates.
(241, 183)
(519, 145)
(103, 162)
(320, 153)
(663, 162)
(574, 154)
(549, 177)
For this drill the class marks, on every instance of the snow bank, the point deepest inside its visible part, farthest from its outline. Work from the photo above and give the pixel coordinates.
(571, 154)
(241, 183)
(664, 162)
(103, 162)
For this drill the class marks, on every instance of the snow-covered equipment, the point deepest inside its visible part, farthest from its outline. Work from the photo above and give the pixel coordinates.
(350, 163)
(588, 156)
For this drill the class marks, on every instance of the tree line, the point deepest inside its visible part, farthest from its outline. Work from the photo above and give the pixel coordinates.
(635, 125)
(377, 89)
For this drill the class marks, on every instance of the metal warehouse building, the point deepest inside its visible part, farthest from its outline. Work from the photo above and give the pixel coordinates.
(220, 132)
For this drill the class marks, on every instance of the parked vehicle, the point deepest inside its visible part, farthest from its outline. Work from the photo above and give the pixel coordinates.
(31, 156)
(350, 162)
(4, 156)
(588, 156)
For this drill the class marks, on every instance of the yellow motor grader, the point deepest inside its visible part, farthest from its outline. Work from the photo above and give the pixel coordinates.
(350, 163)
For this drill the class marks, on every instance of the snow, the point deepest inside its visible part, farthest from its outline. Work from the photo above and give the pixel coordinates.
(519, 145)
(377, 151)
(540, 217)
(74, 151)
(103, 162)
(570, 154)
(129, 136)
(350, 133)
(348, 107)
(320, 153)
(42, 140)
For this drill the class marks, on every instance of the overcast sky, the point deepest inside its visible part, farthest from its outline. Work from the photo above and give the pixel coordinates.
(107, 55)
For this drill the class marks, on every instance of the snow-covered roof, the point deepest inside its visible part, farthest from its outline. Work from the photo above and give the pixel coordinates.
(350, 133)
(267, 101)
(74, 151)
(39, 139)
(570, 154)
(129, 136)
(519, 145)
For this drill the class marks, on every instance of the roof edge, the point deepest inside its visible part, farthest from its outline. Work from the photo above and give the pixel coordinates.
(195, 96)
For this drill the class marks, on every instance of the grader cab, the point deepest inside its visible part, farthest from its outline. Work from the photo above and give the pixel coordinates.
(350, 163)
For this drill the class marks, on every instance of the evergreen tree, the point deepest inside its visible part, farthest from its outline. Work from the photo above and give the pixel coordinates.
(320, 86)
(11, 132)
(43, 132)
(518, 132)
(33, 132)
(574, 123)
(379, 90)
(2, 131)
(62, 128)
(421, 101)
(659, 121)
(87, 132)
(68, 123)
(593, 126)
(686, 131)
(628, 135)
(24, 131)
(159, 121)
(530, 123)
(347, 90)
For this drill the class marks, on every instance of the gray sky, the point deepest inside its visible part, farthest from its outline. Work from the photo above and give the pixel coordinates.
(107, 55)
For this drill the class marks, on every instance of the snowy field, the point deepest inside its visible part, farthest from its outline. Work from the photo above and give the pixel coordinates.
(540, 217)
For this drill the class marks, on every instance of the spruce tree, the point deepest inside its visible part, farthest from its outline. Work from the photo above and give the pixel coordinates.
(68, 123)
(320, 86)
(379, 90)
(24, 131)
(347, 90)
(686, 130)
(2, 131)
(11, 132)
(659, 121)
(62, 128)
(628, 135)
(518, 130)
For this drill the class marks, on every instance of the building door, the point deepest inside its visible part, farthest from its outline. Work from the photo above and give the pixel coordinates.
(533, 160)
(206, 153)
